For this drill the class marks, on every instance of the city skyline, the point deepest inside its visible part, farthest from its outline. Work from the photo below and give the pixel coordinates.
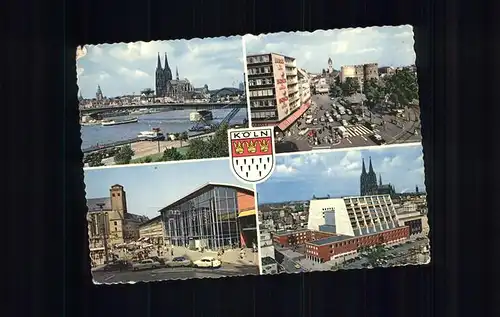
(299, 177)
(387, 46)
(126, 68)
(152, 187)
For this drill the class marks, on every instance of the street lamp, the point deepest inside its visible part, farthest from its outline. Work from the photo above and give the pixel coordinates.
(103, 232)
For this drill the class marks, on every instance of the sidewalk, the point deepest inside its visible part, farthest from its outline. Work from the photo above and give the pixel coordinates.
(229, 256)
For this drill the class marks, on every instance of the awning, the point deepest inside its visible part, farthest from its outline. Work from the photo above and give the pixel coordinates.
(262, 124)
(247, 213)
(293, 117)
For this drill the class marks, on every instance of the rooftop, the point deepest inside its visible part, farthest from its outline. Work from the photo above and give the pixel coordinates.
(262, 54)
(268, 260)
(287, 233)
(150, 221)
(204, 188)
(93, 204)
(330, 240)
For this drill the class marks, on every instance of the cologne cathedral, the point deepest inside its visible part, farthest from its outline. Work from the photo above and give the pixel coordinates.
(370, 186)
(166, 86)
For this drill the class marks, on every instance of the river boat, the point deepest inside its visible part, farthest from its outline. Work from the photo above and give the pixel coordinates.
(154, 135)
(107, 123)
(199, 128)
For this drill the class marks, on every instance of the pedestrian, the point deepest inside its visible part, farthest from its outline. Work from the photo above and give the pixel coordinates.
(172, 252)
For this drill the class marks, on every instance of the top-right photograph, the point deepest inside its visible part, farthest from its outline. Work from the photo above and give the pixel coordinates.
(334, 89)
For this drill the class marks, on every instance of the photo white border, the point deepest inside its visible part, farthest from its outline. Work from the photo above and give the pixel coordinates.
(245, 73)
(259, 254)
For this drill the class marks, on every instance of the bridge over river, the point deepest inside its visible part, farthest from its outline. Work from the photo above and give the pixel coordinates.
(169, 106)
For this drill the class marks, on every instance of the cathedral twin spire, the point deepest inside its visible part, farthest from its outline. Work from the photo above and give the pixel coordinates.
(167, 73)
(368, 180)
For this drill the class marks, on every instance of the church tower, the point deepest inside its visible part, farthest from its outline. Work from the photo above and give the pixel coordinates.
(159, 79)
(379, 179)
(166, 70)
(176, 73)
(330, 65)
(98, 94)
(362, 180)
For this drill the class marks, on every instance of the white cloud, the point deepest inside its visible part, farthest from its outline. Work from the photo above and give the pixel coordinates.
(389, 46)
(130, 67)
(284, 169)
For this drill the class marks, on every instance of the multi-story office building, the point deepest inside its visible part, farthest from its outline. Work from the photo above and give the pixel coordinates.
(361, 72)
(304, 86)
(353, 216)
(354, 222)
(274, 92)
(213, 216)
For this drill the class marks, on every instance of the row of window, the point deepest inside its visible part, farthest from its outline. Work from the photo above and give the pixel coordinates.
(258, 59)
(260, 81)
(263, 103)
(259, 70)
(264, 115)
(261, 92)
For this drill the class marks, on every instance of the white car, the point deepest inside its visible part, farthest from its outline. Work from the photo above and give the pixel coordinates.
(207, 262)
(147, 264)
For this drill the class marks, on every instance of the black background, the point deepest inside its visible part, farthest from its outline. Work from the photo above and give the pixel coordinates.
(45, 230)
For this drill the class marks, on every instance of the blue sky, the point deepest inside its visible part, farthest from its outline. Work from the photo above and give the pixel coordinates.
(300, 176)
(126, 68)
(388, 46)
(152, 187)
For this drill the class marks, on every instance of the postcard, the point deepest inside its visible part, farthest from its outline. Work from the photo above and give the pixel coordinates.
(160, 101)
(334, 89)
(345, 209)
(165, 221)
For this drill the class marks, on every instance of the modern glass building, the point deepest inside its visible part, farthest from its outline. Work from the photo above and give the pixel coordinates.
(213, 216)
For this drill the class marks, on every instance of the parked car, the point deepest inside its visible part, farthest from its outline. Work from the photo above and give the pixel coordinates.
(179, 261)
(158, 259)
(207, 262)
(120, 265)
(146, 264)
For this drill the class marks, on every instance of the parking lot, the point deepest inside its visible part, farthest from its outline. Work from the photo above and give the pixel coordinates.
(396, 255)
(327, 126)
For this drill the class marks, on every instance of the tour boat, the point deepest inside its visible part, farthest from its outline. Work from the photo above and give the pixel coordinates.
(154, 135)
(106, 123)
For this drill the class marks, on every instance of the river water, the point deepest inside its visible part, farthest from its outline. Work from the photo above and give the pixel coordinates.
(175, 121)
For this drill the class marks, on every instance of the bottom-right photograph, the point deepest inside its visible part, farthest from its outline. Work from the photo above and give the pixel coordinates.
(348, 209)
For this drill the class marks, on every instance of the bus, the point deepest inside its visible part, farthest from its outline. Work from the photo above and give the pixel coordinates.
(342, 131)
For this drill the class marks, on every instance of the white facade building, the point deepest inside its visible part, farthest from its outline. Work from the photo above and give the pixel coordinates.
(353, 216)
(322, 86)
(304, 85)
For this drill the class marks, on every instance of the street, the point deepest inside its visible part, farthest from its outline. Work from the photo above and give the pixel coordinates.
(173, 273)
(322, 132)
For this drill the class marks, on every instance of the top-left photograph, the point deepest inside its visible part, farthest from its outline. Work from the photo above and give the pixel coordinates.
(157, 101)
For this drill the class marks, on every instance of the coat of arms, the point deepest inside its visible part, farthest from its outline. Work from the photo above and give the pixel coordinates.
(251, 153)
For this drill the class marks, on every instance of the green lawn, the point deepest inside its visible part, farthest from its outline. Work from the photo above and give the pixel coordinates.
(157, 156)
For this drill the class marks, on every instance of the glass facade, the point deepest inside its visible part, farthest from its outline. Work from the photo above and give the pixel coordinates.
(209, 219)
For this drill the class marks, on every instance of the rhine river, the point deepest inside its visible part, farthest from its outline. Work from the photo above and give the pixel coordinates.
(175, 121)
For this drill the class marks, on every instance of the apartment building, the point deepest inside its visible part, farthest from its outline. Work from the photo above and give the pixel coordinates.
(274, 93)
(304, 86)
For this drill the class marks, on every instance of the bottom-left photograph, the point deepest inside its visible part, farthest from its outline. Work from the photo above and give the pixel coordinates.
(153, 222)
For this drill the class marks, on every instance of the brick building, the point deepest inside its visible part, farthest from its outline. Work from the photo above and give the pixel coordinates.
(331, 248)
(299, 237)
